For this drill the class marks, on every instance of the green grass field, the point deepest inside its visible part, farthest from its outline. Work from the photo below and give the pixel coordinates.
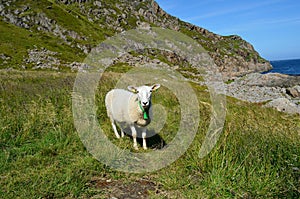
(41, 156)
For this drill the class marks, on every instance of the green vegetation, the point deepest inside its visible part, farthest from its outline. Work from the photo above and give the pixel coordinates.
(41, 155)
(229, 81)
(16, 41)
(72, 30)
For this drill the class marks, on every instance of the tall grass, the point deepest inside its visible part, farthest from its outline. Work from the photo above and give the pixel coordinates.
(42, 156)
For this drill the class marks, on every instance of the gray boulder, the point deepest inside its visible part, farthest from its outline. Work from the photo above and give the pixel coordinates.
(284, 105)
(294, 91)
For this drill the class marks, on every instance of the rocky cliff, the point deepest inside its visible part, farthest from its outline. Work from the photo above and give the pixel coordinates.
(61, 32)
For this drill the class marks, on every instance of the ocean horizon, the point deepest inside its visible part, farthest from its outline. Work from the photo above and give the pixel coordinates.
(288, 67)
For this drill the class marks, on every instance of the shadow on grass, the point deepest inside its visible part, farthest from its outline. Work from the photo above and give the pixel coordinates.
(154, 140)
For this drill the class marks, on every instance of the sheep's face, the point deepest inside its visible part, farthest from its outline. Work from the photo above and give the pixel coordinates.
(144, 93)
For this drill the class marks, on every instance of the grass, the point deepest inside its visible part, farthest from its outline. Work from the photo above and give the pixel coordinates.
(15, 41)
(42, 156)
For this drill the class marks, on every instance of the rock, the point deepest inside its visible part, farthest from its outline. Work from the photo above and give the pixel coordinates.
(260, 88)
(269, 80)
(254, 88)
(284, 105)
(42, 59)
(25, 8)
(294, 91)
(76, 66)
(97, 3)
(1, 8)
(17, 12)
(4, 57)
(138, 60)
(143, 25)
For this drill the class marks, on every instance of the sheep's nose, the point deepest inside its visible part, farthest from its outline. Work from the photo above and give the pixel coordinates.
(145, 103)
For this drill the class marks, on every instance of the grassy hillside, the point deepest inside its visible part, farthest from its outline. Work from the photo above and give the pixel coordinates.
(44, 16)
(71, 29)
(42, 156)
(16, 41)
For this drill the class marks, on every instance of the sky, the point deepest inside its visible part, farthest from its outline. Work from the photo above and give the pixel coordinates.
(271, 26)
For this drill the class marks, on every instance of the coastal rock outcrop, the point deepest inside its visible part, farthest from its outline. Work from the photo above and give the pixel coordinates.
(276, 90)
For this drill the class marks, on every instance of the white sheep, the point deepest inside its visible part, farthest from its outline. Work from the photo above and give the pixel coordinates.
(131, 108)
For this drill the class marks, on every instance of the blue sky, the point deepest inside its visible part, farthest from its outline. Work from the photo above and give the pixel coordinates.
(271, 26)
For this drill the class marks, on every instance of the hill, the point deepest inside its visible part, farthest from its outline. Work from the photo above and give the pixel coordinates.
(62, 32)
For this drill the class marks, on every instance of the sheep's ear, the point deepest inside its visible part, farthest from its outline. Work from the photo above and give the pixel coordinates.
(132, 89)
(155, 87)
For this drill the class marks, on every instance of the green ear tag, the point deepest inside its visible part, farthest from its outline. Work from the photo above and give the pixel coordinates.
(145, 116)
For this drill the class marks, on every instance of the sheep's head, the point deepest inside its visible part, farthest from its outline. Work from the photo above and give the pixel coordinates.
(144, 93)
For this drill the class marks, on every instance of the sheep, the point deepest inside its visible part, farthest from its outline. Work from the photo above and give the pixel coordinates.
(130, 108)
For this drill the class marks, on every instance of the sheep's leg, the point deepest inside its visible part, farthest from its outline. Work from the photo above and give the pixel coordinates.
(115, 128)
(122, 132)
(133, 131)
(144, 138)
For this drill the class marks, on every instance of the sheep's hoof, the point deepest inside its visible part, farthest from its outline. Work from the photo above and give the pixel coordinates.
(122, 133)
(145, 148)
(136, 148)
(117, 135)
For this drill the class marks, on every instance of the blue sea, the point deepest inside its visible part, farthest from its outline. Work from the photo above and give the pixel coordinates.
(289, 67)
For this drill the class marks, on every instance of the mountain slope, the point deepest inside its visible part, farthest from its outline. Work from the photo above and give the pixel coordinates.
(66, 30)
